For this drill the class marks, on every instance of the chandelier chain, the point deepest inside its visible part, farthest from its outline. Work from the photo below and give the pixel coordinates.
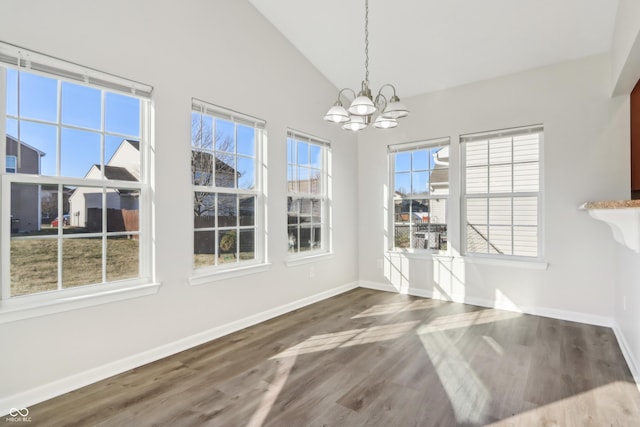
(366, 41)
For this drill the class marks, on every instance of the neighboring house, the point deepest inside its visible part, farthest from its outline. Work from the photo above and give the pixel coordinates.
(85, 203)
(25, 198)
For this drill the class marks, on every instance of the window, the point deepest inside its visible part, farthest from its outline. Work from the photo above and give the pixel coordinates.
(501, 192)
(226, 162)
(419, 175)
(77, 208)
(12, 164)
(307, 194)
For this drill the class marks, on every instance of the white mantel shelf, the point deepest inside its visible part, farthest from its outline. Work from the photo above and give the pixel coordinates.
(623, 216)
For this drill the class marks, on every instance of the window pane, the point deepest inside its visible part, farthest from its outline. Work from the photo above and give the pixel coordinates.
(225, 136)
(477, 212)
(477, 240)
(12, 92)
(49, 206)
(246, 140)
(403, 162)
(476, 153)
(225, 170)
(201, 168)
(122, 157)
(201, 132)
(402, 183)
(303, 154)
(122, 114)
(204, 247)
(293, 210)
(315, 181)
(122, 210)
(500, 151)
(204, 210)
(25, 204)
(439, 181)
(80, 154)
(526, 148)
(81, 106)
(227, 210)
(34, 266)
(420, 183)
(293, 238)
(247, 244)
(303, 180)
(525, 241)
(227, 245)
(38, 97)
(291, 151)
(305, 210)
(420, 160)
(316, 156)
(500, 211)
(42, 138)
(500, 179)
(525, 211)
(401, 235)
(316, 237)
(123, 257)
(85, 211)
(305, 238)
(292, 180)
(81, 261)
(316, 211)
(246, 173)
(500, 240)
(526, 177)
(247, 210)
(12, 128)
(477, 180)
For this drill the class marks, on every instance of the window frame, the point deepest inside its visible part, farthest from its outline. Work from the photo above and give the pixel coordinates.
(326, 248)
(15, 164)
(62, 299)
(208, 273)
(410, 147)
(539, 195)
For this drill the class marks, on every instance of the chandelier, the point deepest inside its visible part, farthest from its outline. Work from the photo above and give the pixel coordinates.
(360, 113)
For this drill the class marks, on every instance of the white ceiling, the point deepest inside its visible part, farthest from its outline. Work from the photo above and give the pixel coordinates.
(426, 45)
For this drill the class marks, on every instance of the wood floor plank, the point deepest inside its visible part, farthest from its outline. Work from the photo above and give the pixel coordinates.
(370, 358)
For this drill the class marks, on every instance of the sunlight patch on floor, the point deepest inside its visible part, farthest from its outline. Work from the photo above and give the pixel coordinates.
(386, 309)
(348, 338)
(465, 320)
(270, 397)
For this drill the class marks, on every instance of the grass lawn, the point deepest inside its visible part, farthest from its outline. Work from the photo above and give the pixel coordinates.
(34, 263)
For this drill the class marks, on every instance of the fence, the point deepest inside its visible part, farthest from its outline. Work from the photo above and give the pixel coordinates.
(117, 220)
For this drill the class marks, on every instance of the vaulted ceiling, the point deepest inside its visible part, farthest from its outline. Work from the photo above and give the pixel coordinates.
(426, 45)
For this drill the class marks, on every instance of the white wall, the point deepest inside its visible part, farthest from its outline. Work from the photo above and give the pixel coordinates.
(223, 52)
(584, 159)
(625, 48)
(625, 59)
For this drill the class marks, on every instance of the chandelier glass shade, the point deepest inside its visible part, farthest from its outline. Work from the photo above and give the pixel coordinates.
(364, 106)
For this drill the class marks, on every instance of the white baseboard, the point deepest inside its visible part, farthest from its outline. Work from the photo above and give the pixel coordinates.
(538, 311)
(74, 382)
(627, 353)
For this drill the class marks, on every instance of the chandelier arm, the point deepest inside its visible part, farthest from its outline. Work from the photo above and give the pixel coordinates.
(381, 97)
(388, 85)
(353, 92)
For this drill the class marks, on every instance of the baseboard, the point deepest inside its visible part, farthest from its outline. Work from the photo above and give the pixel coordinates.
(627, 353)
(502, 305)
(74, 382)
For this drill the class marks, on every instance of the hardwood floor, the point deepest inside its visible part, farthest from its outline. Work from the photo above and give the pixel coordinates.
(369, 358)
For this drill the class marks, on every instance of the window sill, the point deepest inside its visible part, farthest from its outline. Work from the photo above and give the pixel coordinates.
(422, 254)
(208, 276)
(37, 305)
(515, 263)
(291, 262)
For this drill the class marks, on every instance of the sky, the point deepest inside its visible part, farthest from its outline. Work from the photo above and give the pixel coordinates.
(80, 106)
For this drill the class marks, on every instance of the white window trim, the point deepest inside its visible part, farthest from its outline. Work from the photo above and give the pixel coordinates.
(538, 262)
(208, 274)
(411, 146)
(326, 249)
(63, 300)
